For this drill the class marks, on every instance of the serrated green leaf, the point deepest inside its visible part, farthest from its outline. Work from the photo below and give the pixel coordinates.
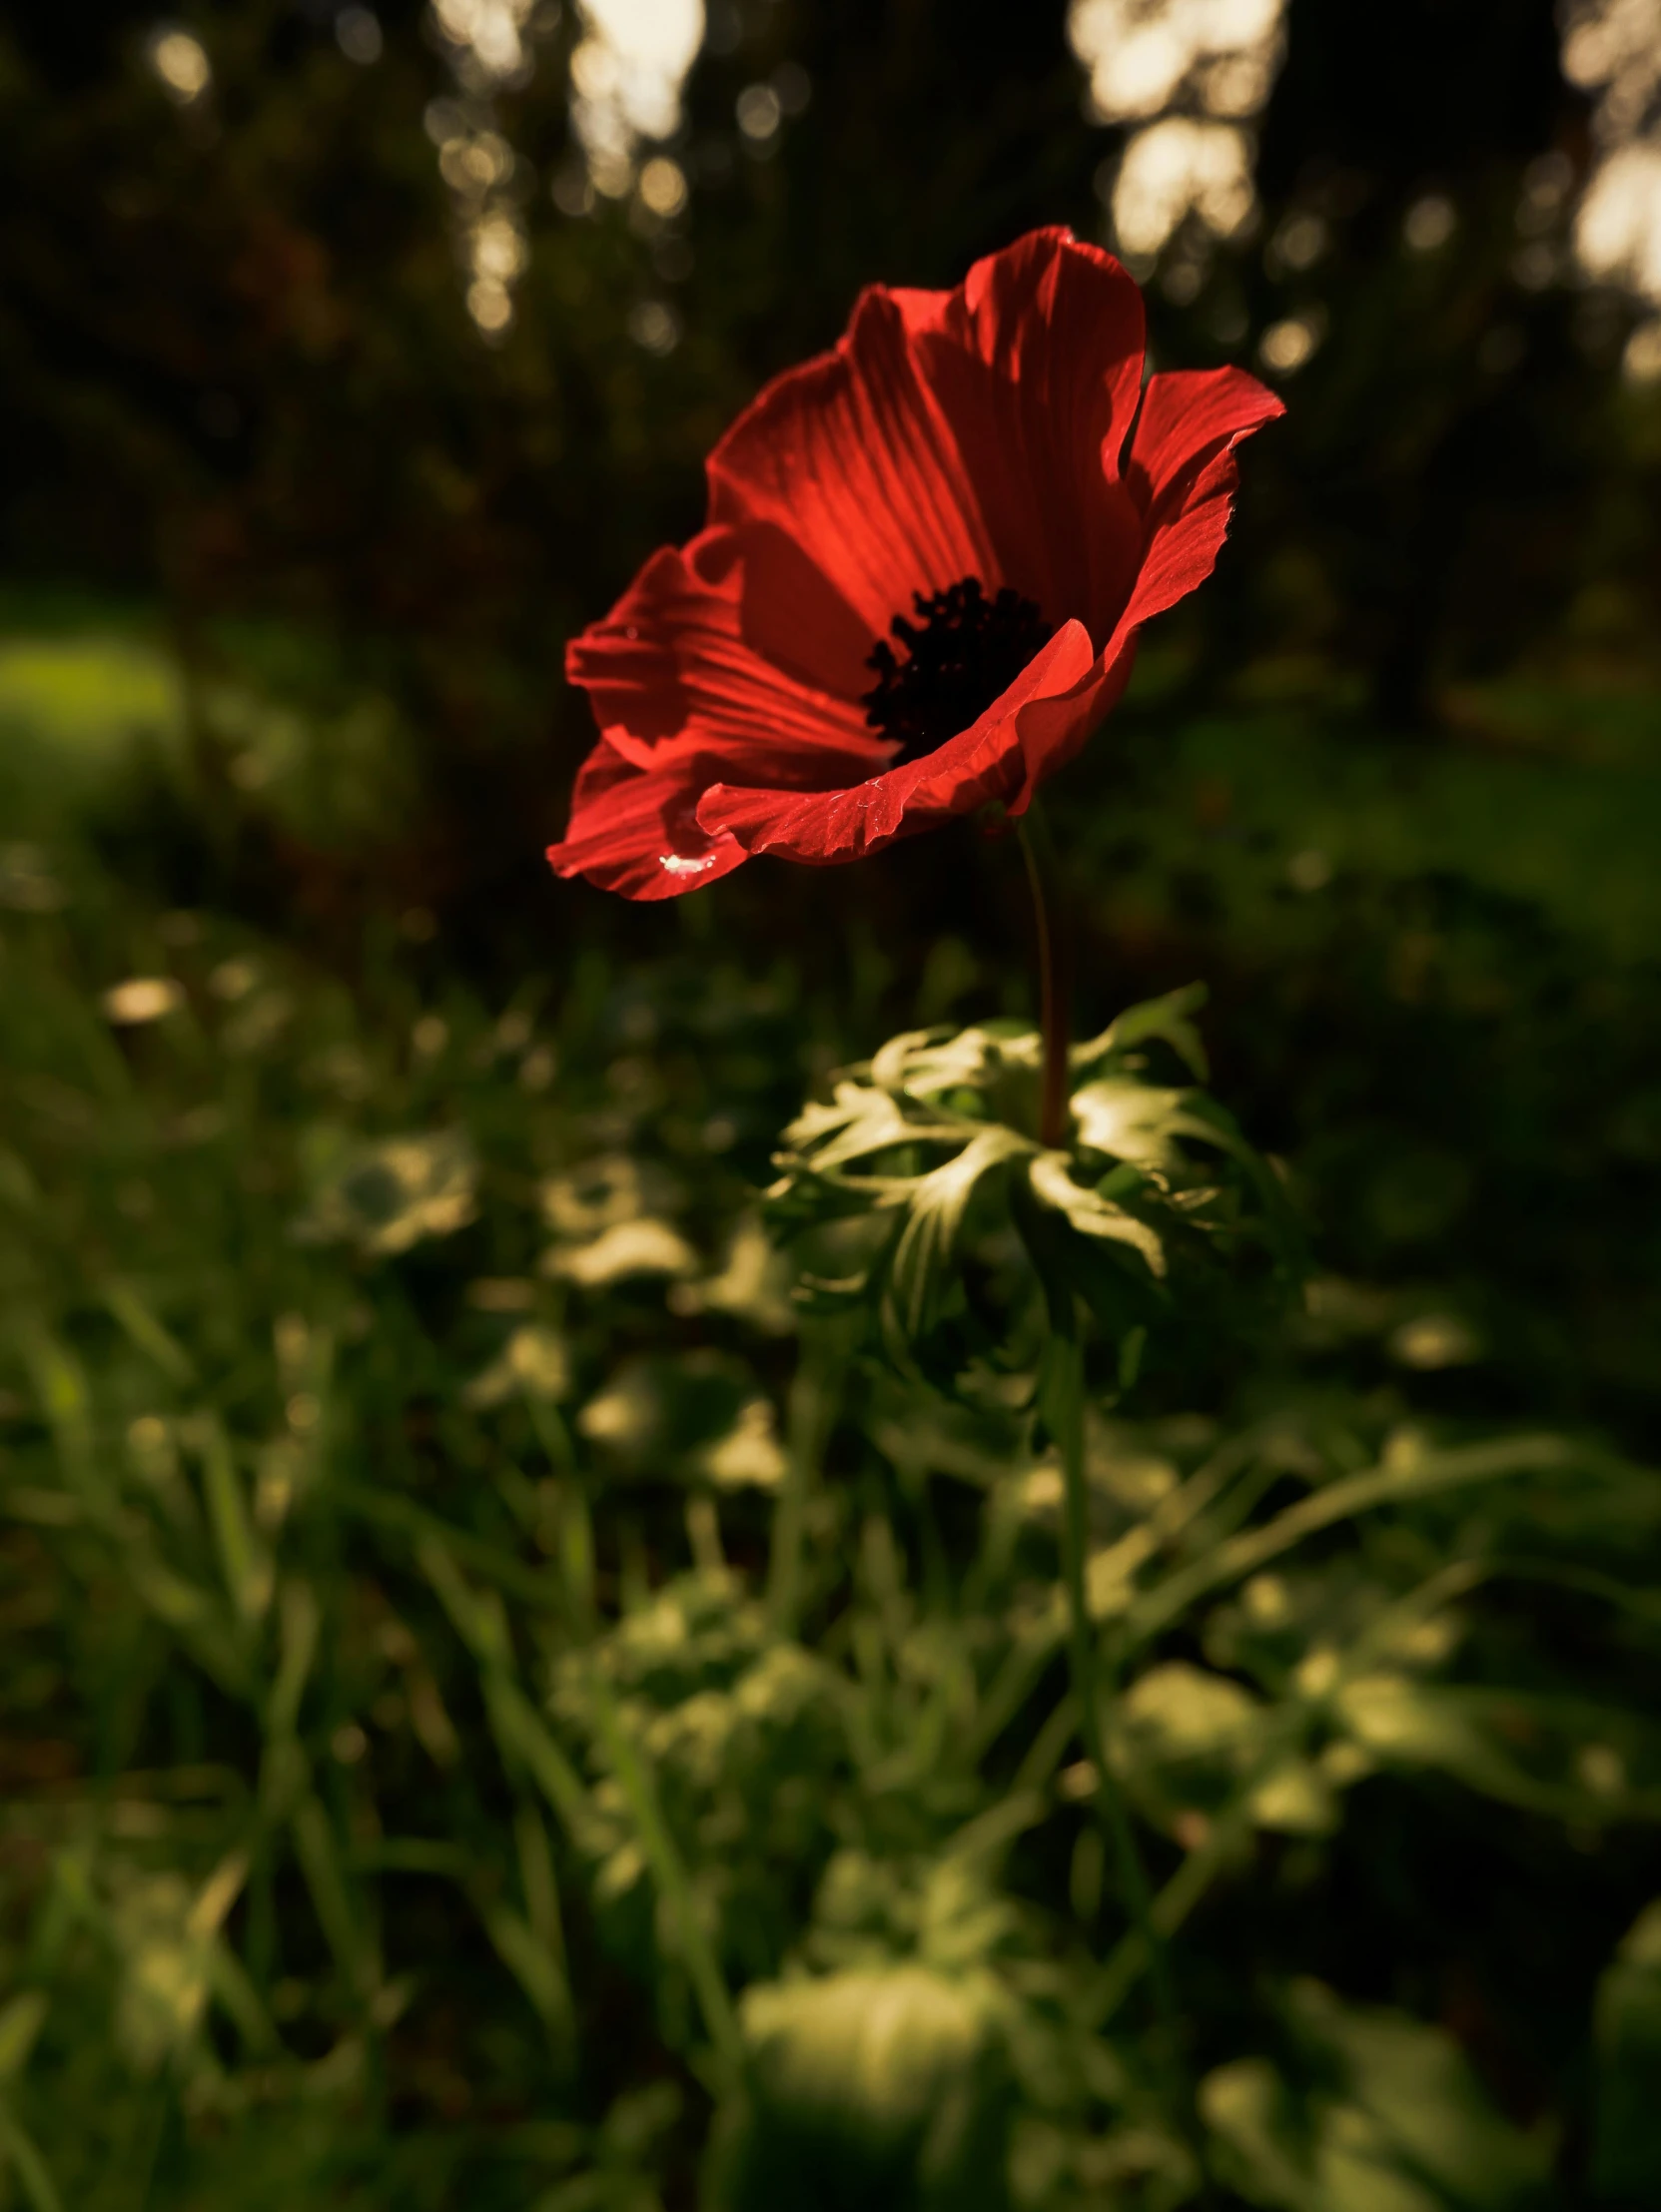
(920, 1271)
(1165, 1018)
(1090, 1213)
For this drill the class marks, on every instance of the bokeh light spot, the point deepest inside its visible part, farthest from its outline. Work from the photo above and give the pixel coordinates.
(654, 326)
(358, 34)
(181, 62)
(1193, 74)
(1286, 346)
(141, 999)
(663, 186)
(1430, 223)
(760, 112)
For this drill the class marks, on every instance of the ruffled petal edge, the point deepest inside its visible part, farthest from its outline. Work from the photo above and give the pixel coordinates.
(634, 831)
(986, 762)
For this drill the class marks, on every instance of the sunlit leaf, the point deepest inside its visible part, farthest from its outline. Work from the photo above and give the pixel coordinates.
(645, 1248)
(1166, 1019)
(603, 1194)
(655, 1413)
(887, 2089)
(1550, 1755)
(21, 2019)
(1403, 2126)
(386, 1196)
(752, 1283)
(920, 1271)
(1090, 1213)
(533, 1364)
(751, 1454)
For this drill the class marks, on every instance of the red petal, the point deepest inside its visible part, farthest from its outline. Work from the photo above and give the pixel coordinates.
(849, 456)
(627, 663)
(987, 761)
(795, 617)
(1036, 361)
(670, 661)
(1054, 730)
(1184, 474)
(636, 833)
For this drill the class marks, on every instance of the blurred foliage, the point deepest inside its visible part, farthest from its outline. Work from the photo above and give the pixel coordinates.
(504, 1705)
(489, 1717)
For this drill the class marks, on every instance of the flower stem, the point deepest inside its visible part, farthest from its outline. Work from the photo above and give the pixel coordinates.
(810, 1413)
(1063, 1402)
(1035, 851)
(1065, 1411)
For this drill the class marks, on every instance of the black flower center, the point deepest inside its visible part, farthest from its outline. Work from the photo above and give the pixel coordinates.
(954, 660)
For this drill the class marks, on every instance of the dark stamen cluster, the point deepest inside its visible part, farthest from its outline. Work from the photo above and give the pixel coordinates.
(960, 652)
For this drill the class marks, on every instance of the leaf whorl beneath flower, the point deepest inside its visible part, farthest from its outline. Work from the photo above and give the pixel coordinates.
(960, 654)
(924, 1196)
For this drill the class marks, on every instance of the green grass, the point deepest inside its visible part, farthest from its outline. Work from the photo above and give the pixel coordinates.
(1558, 809)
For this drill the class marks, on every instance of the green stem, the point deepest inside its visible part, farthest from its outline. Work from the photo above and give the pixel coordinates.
(674, 1886)
(808, 1416)
(1065, 1409)
(1051, 984)
(1065, 1415)
(18, 2151)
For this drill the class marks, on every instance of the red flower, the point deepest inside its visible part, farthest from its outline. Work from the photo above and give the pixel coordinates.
(961, 477)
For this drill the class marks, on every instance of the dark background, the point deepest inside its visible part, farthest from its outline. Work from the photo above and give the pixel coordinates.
(239, 375)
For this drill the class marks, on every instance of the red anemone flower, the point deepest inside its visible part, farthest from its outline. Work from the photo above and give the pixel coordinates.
(960, 476)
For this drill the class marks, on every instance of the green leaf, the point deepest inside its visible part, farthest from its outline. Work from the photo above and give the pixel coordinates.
(1090, 1213)
(386, 1197)
(479, 1620)
(1378, 2113)
(18, 2151)
(921, 1271)
(669, 1871)
(886, 2089)
(1560, 1756)
(860, 1124)
(662, 1414)
(524, 1738)
(340, 1912)
(61, 1387)
(1260, 2147)
(1165, 1018)
(1626, 2152)
(244, 1560)
(299, 1621)
(20, 2023)
(530, 1961)
(148, 1333)
(1181, 1738)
